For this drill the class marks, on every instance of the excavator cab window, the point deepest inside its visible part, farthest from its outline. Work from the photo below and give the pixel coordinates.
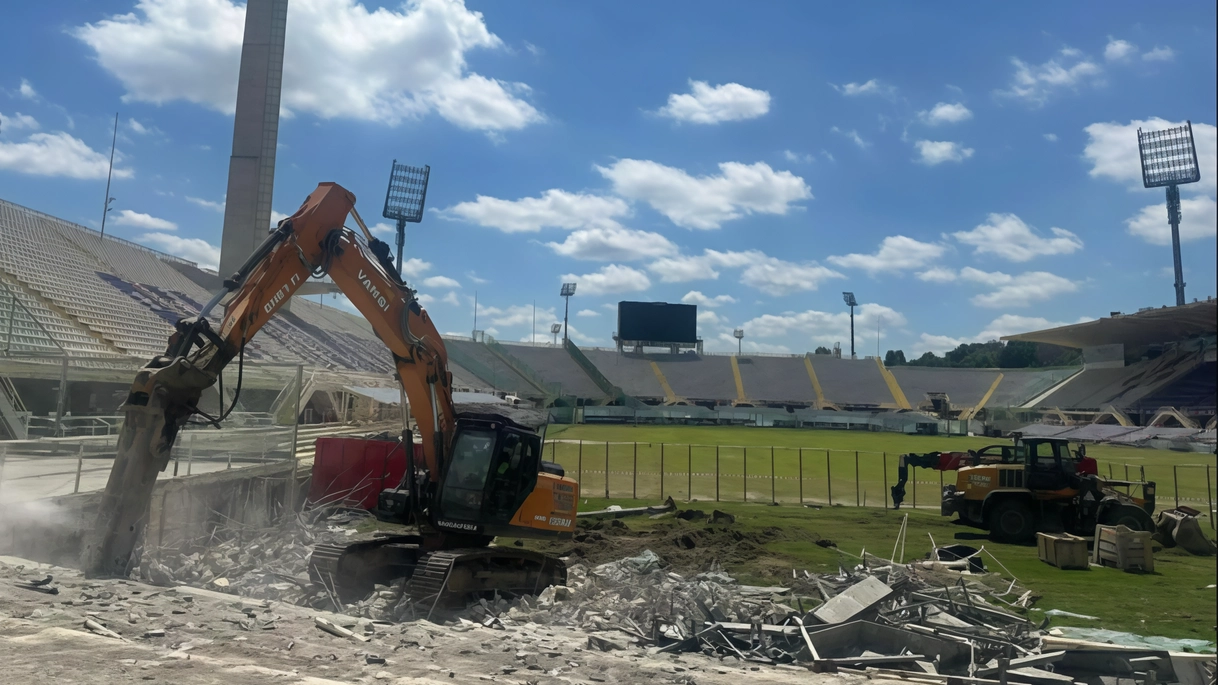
(464, 486)
(491, 473)
(512, 477)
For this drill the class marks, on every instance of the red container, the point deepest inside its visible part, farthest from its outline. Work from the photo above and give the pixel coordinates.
(355, 470)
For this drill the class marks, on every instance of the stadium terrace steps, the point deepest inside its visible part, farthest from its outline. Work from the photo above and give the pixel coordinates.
(630, 372)
(964, 387)
(1197, 388)
(851, 382)
(694, 377)
(555, 365)
(776, 379)
(1123, 387)
(482, 362)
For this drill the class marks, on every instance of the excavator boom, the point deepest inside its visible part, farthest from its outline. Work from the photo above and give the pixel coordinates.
(315, 242)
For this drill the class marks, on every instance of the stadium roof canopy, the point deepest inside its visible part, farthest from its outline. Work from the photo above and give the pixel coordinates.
(1167, 324)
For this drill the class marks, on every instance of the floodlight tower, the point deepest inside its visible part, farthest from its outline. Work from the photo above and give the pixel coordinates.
(568, 289)
(555, 329)
(852, 303)
(404, 199)
(1169, 158)
(738, 334)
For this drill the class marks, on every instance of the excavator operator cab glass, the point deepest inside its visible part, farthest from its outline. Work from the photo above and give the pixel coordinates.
(491, 473)
(464, 484)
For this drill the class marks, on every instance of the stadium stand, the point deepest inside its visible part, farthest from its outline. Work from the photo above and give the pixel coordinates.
(852, 383)
(698, 378)
(556, 366)
(782, 380)
(493, 370)
(630, 372)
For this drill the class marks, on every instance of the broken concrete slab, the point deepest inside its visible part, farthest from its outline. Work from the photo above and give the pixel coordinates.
(852, 602)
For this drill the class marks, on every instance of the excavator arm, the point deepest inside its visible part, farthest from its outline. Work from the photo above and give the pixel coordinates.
(166, 392)
(939, 461)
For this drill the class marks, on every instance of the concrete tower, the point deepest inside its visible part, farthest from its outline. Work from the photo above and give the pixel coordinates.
(251, 169)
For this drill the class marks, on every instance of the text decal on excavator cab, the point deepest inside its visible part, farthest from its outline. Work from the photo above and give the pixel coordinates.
(374, 291)
(281, 293)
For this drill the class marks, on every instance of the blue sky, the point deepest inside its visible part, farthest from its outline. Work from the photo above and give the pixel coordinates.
(967, 173)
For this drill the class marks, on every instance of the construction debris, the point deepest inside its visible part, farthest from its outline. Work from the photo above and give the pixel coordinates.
(1180, 526)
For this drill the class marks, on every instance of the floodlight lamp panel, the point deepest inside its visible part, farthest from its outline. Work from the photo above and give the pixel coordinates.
(1168, 157)
(738, 333)
(568, 289)
(556, 328)
(407, 193)
(849, 299)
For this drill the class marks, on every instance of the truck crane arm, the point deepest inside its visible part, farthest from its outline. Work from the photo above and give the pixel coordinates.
(939, 461)
(311, 242)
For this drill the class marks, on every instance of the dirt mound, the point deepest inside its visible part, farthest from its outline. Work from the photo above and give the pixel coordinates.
(685, 545)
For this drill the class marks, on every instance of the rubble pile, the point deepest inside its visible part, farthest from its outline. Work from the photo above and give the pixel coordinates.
(270, 564)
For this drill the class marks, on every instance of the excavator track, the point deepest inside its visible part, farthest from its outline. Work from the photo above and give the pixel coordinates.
(456, 577)
(442, 579)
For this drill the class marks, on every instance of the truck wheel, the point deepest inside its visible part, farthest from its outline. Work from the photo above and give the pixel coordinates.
(1132, 517)
(1012, 520)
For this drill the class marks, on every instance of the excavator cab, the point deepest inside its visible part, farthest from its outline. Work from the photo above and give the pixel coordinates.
(493, 468)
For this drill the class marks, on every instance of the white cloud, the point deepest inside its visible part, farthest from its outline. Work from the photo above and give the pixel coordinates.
(1118, 50)
(613, 244)
(340, 60)
(27, 91)
(17, 122)
(137, 127)
(767, 274)
(851, 135)
(934, 152)
(451, 298)
(1016, 291)
(57, 154)
(871, 87)
(1198, 221)
(415, 267)
(613, 278)
(896, 253)
(438, 282)
(1112, 149)
(126, 217)
(199, 251)
(1159, 54)
(587, 313)
(1007, 324)
(276, 217)
(554, 209)
(937, 274)
(1051, 137)
(796, 157)
(778, 277)
(382, 228)
(207, 204)
(707, 104)
(946, 113)
(1034, 84)
(705, 202)
(696, 297)
(474, 278)
(708, 318)
(824, 327)
(1008, 237)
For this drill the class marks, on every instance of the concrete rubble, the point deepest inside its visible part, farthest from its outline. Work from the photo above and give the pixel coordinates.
(933, 620)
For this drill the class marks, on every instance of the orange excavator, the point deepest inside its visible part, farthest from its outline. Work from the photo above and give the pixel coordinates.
(481, 474)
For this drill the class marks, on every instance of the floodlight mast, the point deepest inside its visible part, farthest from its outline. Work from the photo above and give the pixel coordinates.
(405, 198)
(1169, 158)
(555, 329)
(850, 301)
(738, 334)
(568, 289)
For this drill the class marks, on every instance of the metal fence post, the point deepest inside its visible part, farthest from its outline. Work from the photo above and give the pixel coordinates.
(177, 457)
(634, 485)
(857, 501)
(290, 495)
(80, 463)
(746, 474)
(579, 474)
(773, 479)
(884, 495)
(3, 457)
(1175, 482)
(801, 475)
(716, 473)
(689, 472)
(190, 456)
(606, 469)
(913, 478)
(1209, 492)
(661, 470)
(828, 478)
(1126, 471)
